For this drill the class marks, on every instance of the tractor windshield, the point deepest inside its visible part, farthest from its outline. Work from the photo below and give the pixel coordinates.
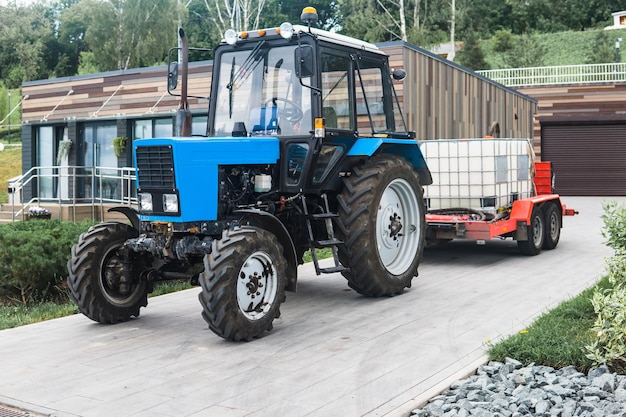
(260, 94)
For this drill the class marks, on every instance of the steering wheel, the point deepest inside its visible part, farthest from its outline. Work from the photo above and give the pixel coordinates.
(290, 110)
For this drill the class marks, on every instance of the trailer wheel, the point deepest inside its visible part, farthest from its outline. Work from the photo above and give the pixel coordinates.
(553, 226)
(536, 232)
(382, 224)
(243, 283)
(96, 280)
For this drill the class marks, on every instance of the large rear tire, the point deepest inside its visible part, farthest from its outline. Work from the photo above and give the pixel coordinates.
(243, 283)
(536, 233)
(382, 223)
(96, 281)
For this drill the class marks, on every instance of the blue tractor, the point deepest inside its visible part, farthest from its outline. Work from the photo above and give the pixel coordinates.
(306, 148)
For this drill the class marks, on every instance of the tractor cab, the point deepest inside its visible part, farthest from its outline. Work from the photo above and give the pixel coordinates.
(316, 91)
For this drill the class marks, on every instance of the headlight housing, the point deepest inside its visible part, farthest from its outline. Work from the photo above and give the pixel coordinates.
(145, 202)
(170, 203)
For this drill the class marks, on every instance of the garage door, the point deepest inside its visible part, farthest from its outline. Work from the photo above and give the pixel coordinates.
(587, 159)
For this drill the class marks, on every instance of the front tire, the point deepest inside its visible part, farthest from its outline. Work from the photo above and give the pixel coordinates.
(243, 283)
(536, 232)
(382, 223)
(96, 281)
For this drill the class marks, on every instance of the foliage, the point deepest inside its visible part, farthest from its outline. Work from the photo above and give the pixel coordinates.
(527, 52)
(119, 145)
(472, 55)
(602, 50)
(56, 38)
(22, 43)
(33, 258)
(609, 344)
(10, 166)
(614, 230)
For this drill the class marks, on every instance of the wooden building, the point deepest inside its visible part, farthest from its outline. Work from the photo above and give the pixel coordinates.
(72, 121)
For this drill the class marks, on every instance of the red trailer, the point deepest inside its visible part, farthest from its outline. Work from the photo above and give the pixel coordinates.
(533, 215)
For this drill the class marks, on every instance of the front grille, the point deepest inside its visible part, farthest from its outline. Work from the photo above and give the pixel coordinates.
(155, 167)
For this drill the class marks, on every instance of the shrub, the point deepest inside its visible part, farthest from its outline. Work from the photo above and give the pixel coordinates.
(33, 258)
(609, 344)
(614, 231)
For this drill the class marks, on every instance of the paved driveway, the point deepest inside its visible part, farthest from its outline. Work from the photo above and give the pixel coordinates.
(332, 353)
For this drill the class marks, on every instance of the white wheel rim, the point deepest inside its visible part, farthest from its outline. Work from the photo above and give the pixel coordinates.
(398, 227)
(537, 232)
(256, 286)
(554, 225)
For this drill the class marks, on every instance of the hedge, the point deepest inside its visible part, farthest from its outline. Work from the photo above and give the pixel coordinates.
(33, 258)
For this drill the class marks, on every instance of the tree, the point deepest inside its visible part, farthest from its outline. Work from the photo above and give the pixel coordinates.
(472, 55)
(240, 15)
(526, 53)
(124, 33)
(603, 49)
(23, 31)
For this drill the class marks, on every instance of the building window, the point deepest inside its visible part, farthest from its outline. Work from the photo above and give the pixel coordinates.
(100, 161)
(45, 161)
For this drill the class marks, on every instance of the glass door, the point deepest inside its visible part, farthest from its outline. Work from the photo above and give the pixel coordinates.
(45, 160)
(100, 162)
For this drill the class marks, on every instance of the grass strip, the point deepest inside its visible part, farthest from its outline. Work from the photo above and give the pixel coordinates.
(557, 338)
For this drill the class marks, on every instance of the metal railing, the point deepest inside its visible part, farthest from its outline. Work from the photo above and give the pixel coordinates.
(566, 74)
(72, 186)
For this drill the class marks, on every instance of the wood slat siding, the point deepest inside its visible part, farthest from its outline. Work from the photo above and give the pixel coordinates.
(445, 101)
(599, 102)
(441, 100)
(141, 90)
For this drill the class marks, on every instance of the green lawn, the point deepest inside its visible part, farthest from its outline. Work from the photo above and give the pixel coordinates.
(10, 166)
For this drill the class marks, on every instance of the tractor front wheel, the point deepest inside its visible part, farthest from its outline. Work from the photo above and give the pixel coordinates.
(243, 283)
(382, 224)
(97, 282)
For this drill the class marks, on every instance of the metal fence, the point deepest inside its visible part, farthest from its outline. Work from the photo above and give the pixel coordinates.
(72, 187)
(567, 74)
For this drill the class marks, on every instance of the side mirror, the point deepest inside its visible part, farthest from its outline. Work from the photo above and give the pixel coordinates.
(304, 61)
(172, 75)
(398, 74)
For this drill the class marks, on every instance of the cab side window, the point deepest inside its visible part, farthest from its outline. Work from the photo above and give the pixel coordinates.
(336, 108)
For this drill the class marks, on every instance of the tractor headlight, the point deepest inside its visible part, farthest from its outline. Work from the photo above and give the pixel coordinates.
(286, 30)
(230, 36)
(170, 203)
(145, 202)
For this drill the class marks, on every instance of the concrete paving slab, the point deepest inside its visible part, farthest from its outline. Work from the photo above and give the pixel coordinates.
(332, 353)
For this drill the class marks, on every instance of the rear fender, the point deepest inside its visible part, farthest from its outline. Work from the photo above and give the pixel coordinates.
(270, 223)
(407, 149)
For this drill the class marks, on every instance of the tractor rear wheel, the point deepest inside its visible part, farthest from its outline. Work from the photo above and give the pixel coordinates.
(243, 283)
(536, 232)
(96, 275)
(382, 224)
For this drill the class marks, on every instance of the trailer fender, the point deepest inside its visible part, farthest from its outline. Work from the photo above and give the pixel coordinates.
(522, 210)
(407, 149)
(270, 223)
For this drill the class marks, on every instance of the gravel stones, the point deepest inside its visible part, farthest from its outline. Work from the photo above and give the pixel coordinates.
(511, 390)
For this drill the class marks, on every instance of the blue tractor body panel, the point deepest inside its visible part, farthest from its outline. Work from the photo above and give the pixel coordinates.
(196, 162)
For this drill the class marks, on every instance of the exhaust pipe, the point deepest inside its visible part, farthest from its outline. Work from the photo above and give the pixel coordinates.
(182, 125)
